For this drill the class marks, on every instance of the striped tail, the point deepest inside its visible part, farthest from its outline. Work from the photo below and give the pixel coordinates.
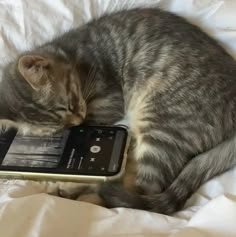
(199, 170)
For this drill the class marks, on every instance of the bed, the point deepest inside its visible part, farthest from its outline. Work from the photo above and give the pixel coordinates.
(26, 208)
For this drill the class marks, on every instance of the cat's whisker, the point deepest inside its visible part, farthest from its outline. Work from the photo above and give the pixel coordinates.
(87, 82)
(90, 83)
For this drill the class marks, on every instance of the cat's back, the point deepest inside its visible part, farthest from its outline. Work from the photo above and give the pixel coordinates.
(121, 35)
(150, 24)
(150, 31)
(148, 40)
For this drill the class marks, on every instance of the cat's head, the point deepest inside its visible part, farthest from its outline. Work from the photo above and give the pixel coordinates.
(40, 95)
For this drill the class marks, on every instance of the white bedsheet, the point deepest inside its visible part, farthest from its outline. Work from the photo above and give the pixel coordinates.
(25, 209)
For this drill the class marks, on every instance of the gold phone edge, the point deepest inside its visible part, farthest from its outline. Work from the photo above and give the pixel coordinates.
(67, 177)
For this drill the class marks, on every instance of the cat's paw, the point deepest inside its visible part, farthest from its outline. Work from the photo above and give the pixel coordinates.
(73, 192)
(81, 192)
(93, 198)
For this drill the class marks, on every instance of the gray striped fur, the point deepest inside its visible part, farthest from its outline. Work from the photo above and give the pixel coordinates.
(175, 84)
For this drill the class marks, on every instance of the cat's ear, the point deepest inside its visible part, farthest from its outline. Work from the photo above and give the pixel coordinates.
(34, 70)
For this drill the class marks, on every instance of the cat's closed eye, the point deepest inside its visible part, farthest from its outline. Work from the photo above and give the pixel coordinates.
(61, 109)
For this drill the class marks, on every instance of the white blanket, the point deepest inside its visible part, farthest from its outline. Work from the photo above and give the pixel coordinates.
(25, 209)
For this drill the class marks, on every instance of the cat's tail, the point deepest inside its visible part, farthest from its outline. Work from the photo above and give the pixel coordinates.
(200, 169)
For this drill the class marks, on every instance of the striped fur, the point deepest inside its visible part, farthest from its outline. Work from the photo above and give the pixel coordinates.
(174, 84)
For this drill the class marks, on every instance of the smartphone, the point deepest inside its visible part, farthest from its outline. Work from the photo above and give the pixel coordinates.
(79, 154)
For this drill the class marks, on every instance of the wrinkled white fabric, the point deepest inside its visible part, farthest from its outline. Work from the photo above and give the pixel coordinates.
(25, 209)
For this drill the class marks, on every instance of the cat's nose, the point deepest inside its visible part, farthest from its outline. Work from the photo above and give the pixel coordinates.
(73, 120)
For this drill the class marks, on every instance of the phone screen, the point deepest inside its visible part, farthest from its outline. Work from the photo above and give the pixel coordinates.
(81, 150)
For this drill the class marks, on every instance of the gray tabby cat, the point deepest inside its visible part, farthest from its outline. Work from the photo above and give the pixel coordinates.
(174, 84)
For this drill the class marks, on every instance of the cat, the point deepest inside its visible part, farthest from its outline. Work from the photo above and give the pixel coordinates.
(174, 84)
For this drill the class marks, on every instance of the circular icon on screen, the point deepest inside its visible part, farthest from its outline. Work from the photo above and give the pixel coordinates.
(95, 149)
